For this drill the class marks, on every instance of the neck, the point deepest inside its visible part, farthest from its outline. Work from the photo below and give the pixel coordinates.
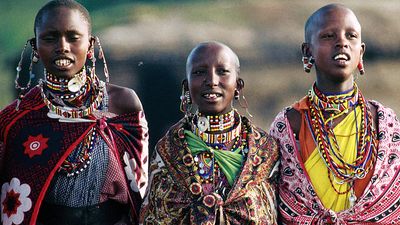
(334, 87)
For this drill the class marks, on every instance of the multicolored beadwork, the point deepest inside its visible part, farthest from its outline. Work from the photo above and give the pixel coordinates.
(72, 166)
(209, 128)
(65, 104)
(320, 119)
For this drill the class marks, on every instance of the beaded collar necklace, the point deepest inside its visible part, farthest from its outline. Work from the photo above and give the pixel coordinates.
(66, 85)
(325, 138)
(207, 127)
(335, 104)
(92, 94)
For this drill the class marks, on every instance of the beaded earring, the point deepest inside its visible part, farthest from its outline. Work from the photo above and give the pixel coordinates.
(244, 103)
(186, 102)
(102, 57)
(307, 63)
(34, 58)
(91, 56)
(239, 95)
(360, 67)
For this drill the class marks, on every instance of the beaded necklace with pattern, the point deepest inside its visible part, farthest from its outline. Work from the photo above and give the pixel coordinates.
(76, 163)
(66, 104)
(209, 128)
(323, 133)
(203, 168)
(64, 85)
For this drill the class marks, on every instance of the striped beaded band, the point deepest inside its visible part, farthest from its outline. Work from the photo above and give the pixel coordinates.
(64, 84)
(74, 112)
(220, 138)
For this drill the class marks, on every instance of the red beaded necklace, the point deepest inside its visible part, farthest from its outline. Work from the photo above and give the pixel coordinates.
(326, 140)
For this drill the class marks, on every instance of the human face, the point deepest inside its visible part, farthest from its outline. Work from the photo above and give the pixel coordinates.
(62, 41)
(336, 47)
(212, 79)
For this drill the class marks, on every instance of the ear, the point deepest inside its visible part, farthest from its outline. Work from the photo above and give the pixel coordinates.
(32, 41)
(185, 84)
(363, 47)
(92, 41)
(306, 50)
(239, 84)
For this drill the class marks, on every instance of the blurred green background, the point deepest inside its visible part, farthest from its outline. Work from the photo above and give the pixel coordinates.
(146, 44)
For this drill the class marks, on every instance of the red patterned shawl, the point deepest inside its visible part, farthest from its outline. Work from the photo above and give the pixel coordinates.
(35, 146)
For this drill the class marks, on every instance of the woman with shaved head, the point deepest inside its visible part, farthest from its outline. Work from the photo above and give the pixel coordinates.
(214, 166)
(340, 152)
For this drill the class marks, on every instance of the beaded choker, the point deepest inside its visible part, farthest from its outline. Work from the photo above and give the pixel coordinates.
(61, 105)
(62, 84)
(215, 123)
(205, 126)
(325, 138)
(335, 104)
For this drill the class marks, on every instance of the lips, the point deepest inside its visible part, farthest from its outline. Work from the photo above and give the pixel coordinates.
(63, 62)
(341, 56)
(211, 96)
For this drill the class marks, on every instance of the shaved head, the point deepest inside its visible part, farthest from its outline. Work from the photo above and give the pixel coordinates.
(210, 45)
(317, 19)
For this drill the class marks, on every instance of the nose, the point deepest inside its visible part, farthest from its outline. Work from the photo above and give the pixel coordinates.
(342, 41)
(212, 78)
(62, 45)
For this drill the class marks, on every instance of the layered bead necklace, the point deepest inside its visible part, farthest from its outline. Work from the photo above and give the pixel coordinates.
(210, 128)
(77, 162)
(323, 110)
(218, 132)
(72, 98)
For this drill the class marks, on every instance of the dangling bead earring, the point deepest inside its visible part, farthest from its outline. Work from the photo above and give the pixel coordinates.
(244, 105)
(20, 88)
(307, 63)
(237, 95)
(101, 56)
(360, 67)
(186, 102)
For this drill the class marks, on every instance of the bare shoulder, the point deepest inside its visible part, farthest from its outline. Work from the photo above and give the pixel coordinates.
(122, 100)
(294, 118)
(374, 114)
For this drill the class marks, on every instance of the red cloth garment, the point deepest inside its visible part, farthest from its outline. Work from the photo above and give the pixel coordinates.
(35, 146)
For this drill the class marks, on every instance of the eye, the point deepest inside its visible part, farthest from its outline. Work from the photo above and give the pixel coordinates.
(327, 36)
(198, 72)
(352, 35)
(223, 71)
(48, 38)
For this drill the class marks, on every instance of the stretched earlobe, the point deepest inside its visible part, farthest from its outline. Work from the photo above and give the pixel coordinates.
(32, 42)
(305, 49)
(239, 84)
